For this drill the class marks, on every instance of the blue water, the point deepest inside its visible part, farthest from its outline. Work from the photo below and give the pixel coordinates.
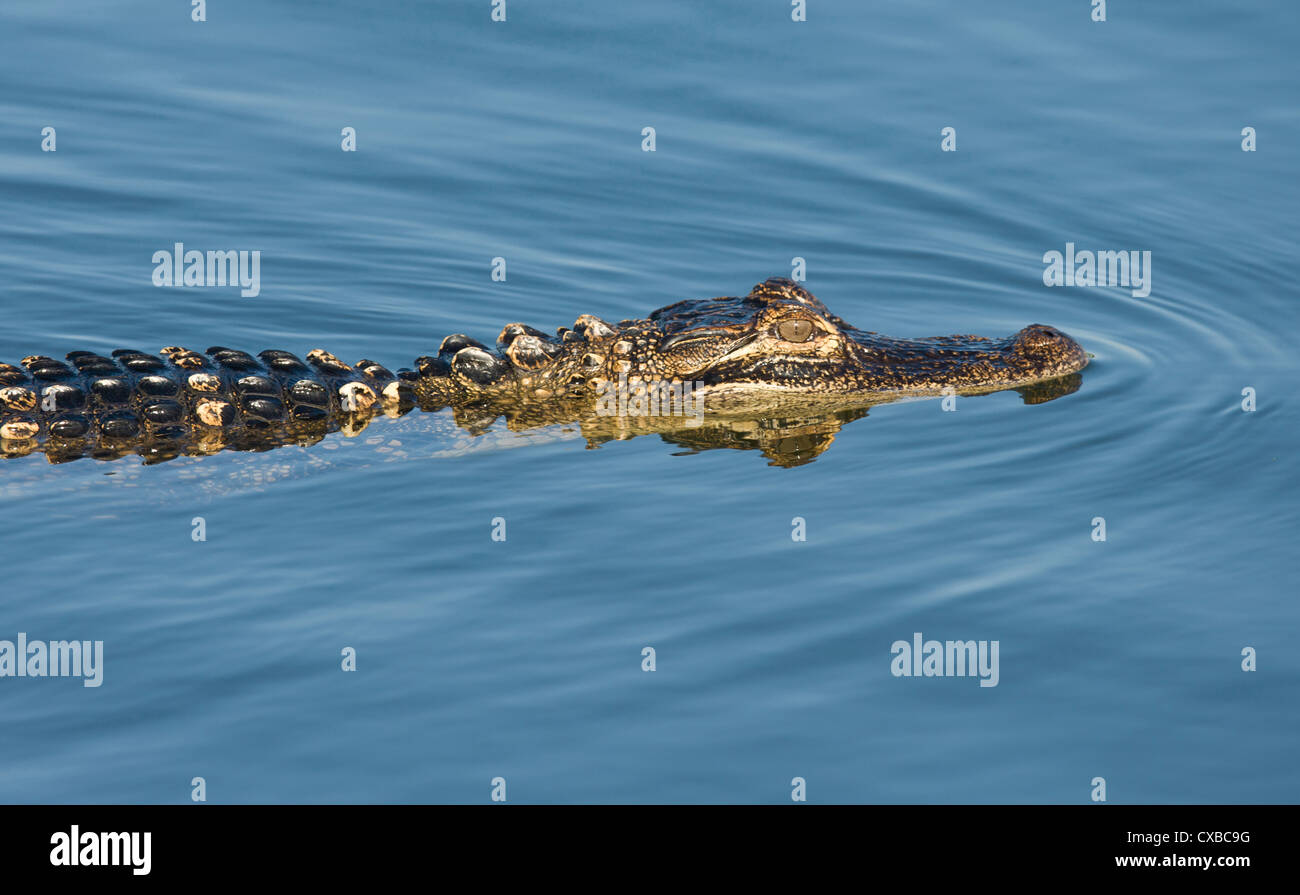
(522, 659)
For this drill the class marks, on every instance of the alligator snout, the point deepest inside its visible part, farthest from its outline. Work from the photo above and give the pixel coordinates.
(1038, 336)
(1049, 349)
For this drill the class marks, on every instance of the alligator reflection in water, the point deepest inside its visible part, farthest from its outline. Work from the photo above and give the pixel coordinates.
(789, 435)
(787, 438)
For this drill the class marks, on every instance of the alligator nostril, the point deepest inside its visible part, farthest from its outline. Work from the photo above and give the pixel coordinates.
(1038, 336)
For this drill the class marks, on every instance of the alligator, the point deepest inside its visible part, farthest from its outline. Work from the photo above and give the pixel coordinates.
(775, 360)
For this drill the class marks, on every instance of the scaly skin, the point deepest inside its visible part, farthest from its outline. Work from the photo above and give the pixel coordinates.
(185, 402)
(776, 350)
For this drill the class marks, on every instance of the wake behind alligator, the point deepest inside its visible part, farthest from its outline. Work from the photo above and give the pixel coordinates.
(774, 370)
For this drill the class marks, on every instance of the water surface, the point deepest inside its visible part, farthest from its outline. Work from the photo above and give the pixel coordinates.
(774, 140)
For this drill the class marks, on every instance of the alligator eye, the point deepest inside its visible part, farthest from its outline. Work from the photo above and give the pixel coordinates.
(796, 329)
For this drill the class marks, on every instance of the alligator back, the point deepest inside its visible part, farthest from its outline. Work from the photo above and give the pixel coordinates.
(187, 402)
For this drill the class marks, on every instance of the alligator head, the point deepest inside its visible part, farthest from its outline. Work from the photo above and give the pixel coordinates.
(777, 345)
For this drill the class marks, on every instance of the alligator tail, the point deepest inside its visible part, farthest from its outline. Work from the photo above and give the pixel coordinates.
(186, 402)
